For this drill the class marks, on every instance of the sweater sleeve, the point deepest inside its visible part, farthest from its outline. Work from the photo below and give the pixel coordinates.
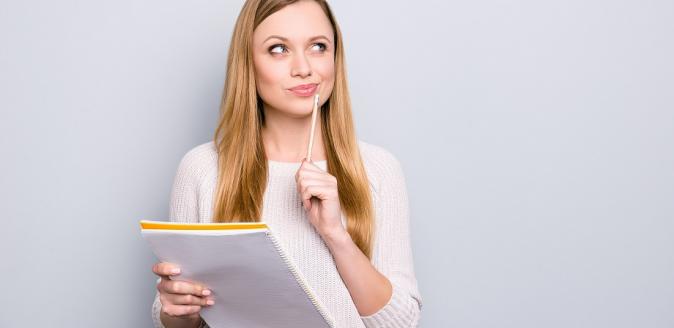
(183, 207)
(392, 251)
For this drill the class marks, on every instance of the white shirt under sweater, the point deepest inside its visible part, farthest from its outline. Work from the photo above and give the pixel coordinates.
(192, 201)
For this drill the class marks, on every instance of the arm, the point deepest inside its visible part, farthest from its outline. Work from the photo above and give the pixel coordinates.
(182, 323)
(384, 291)
(161, 320)
(183, 208)
(369, 289)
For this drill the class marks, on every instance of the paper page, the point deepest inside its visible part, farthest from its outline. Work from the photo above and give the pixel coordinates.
(251, 283)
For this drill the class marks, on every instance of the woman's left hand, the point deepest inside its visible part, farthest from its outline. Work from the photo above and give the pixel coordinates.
(318, 192)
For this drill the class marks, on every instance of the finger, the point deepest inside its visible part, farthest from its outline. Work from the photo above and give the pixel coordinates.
(303, 183)
(313, 167)
(302, 172)
(180, 310)
(310, 203)
(302, 189)
(313, 178)
(179, 299)
(316, 189)
(165, 269)
(310, 166)
(320, 192)
(315, 175)
(304, 175)
(182, 287)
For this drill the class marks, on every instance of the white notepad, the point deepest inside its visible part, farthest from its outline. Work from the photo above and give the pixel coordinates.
(254, 282)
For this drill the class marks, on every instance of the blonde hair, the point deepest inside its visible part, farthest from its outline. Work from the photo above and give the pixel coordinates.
(242, 162)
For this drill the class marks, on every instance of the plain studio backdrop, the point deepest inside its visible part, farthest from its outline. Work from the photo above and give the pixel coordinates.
(537, 139)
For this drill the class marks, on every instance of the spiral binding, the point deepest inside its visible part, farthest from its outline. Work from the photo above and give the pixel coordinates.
(300, 280)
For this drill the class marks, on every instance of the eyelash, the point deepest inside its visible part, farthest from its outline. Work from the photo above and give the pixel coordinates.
(323, 45)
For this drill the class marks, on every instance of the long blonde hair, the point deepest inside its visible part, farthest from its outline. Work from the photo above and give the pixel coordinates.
(242, 162)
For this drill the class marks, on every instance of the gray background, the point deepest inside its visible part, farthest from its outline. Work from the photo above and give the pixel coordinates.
(537, 140)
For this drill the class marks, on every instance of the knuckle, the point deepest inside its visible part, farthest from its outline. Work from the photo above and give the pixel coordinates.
(168, 310)
(181, 310)
(185, 310)
(192, 288)
(170, 287)
(190, 299)
(162, 286)
(194, 309)
(177, 287)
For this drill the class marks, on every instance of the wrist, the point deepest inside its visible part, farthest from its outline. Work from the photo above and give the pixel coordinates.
(337, 238)
(187, 322)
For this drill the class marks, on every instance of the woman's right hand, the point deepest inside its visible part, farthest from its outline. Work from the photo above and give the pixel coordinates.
(180, 299)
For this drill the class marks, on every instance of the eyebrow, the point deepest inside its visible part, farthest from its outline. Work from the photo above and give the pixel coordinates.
(286, 39)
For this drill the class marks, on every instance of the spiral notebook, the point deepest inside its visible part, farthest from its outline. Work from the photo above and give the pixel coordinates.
(254, 282)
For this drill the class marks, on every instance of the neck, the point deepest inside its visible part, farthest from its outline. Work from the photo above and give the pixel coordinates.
(286, 138)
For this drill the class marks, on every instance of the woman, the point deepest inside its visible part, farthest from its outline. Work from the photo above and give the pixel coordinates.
(343, 217)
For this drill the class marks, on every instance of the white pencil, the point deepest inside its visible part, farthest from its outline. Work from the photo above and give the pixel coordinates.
(314, 113)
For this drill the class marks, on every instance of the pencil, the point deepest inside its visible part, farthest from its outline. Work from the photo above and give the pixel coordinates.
(314, 113)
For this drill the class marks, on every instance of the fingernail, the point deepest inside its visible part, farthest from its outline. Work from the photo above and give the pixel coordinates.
(175, 270)
(205, 292)
(210, 302)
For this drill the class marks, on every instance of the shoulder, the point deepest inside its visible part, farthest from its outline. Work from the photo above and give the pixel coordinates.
(202, 152)
(381, 164)
(375, 153)
(198, 162)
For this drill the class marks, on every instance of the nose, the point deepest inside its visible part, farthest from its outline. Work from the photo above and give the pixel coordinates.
(300, 66)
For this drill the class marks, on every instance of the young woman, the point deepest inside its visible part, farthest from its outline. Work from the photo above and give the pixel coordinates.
(343, 217)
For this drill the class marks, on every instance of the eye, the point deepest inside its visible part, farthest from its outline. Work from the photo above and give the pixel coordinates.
(322, 47)
(274, 49)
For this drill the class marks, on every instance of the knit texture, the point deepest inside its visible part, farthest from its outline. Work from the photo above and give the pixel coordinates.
(192, 201)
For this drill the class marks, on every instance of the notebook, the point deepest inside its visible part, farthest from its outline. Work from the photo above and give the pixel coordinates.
(254, 282)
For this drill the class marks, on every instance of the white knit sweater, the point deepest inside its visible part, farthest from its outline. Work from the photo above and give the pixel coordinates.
(192, 201)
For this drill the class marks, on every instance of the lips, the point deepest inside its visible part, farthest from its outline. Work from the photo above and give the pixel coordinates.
(304, 86)
(304, 90)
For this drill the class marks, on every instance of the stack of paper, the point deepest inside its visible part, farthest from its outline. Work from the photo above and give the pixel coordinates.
(253, 281)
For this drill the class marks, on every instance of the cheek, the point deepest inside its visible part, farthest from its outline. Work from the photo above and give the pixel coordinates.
(327, 72)
(268, 78)
(325, 68)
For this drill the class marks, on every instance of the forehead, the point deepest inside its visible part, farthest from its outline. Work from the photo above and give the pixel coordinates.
(298, 21)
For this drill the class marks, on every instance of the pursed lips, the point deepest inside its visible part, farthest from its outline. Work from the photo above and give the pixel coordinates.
(304, 87)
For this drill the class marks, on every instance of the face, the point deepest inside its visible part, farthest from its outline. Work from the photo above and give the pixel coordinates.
(293, 48)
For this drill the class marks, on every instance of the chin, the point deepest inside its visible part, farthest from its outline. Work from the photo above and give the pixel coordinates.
(294, 110)
(294, 106)
(300, 106)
